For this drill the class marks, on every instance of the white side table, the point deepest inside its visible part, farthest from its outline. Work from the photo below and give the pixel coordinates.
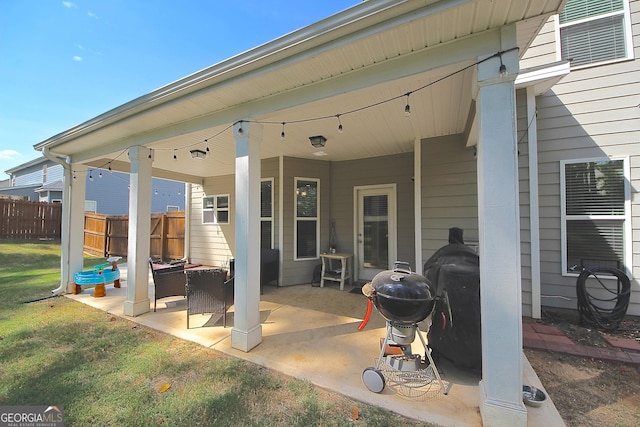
(346, 268)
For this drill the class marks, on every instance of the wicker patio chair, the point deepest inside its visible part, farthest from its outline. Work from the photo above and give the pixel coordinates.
(208, 292)
(168, 281)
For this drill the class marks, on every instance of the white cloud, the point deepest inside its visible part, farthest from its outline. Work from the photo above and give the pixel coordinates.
(68, 4)
(9, 154)
(92, 15)
(77, 58)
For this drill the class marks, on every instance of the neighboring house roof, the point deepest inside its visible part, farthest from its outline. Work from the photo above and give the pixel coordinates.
(54, 186)
(26, 165)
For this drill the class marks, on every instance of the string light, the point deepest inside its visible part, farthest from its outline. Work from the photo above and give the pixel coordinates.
(90, 175)
(110, 171)
(407, 108)
(100, 174)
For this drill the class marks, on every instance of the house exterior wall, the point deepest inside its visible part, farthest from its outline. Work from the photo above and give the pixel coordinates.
(591, 113)
(214, 244)
(449, 192)
(111, 193)
(301, 271)
(396, 169)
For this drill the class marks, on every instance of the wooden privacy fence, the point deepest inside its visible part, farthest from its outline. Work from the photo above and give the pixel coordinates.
(20, 219)
(107, 235)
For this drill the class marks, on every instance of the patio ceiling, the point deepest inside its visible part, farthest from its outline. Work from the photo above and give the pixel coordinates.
(349, 64)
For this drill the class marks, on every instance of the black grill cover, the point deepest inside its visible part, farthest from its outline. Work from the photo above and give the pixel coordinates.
(455, 330)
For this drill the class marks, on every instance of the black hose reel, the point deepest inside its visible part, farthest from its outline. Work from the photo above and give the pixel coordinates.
(608, 311)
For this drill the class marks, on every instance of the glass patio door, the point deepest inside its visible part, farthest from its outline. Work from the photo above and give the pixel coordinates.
(376, 230)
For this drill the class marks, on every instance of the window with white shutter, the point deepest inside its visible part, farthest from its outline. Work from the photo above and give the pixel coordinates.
(595, 32)
(266, 213)
(595, 213)
(307, 218)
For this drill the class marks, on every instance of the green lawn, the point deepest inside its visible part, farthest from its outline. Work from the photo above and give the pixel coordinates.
(108, 371)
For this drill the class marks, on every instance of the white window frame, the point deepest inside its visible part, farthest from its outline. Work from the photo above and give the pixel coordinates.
(627, 234)
(296, 219)
(628, 35)
(44, 174)
(215, 209)
(270, 217)
(173, 208)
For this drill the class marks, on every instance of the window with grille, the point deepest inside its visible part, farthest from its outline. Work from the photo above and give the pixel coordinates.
(307, 216)
(595, 213)
(595, 31)
(266, 213)
(215, 209)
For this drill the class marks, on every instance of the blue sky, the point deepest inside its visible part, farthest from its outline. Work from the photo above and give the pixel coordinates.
(65, 62)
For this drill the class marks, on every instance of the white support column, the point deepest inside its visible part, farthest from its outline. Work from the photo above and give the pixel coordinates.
(138, 250)
(247, 331)
(499, 232)
(73, 240)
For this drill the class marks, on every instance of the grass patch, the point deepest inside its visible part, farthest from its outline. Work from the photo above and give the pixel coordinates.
(108, 371)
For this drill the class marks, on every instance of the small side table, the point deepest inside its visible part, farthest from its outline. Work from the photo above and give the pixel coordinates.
(346, 268)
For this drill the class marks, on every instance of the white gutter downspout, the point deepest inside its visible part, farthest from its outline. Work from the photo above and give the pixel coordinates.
(534, 213)
(65, 241)
(417, 202)
(187, 221)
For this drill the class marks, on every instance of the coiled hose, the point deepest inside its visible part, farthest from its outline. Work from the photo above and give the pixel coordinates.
(599, 311)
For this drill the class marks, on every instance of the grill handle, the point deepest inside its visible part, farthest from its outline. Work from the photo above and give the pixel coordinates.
(402, 267)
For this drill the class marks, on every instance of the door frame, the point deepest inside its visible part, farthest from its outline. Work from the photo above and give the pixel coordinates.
(390, 190)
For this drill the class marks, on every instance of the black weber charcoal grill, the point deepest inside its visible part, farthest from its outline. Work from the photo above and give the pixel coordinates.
(404, 299)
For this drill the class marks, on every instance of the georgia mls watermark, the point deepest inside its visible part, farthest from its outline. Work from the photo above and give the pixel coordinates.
(31, 416)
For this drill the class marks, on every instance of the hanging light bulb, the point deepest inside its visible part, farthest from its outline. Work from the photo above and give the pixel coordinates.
(407, 108)
(282, 136)
(90, 175)
(206, 141)
(100, 174)
(149, 152)
(174, 155)
(339, 123)
(110, 171)
(156, 192)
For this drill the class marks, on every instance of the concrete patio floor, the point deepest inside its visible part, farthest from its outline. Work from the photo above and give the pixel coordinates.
(312, 333)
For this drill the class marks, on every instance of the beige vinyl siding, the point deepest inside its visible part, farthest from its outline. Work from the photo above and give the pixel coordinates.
(591, 113)
(450, 196)
(543, 49)
(397, 169)
(212, 244)
(449, 192)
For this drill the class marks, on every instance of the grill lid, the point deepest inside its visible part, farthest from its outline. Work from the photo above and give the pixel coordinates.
(402, 296)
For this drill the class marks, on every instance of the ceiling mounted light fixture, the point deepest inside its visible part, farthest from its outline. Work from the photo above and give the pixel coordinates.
(198, 154)
(318, 141)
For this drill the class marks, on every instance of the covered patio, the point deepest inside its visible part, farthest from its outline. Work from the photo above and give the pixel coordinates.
(422, 88)
(311, 333)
